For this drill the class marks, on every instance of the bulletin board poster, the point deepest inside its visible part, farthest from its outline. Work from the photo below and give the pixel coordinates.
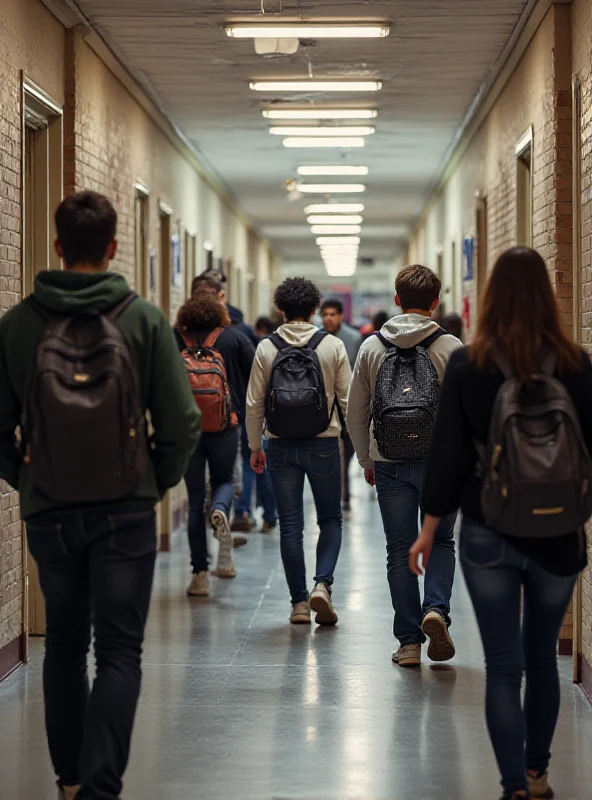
(468, 256)
(176, 262)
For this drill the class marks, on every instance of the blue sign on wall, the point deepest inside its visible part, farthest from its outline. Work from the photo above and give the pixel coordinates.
(176, 262)
(468, 255)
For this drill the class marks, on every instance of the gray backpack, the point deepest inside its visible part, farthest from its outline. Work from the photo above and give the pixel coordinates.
(536, 467)
(405, 400)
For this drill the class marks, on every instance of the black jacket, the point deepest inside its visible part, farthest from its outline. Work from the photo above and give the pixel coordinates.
(464, 413)
(238, 320)
(238, 354)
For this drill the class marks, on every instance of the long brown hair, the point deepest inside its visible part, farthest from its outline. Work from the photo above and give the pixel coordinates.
(520, 317)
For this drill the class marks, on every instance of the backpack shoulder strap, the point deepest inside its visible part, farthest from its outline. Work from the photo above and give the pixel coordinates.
(433, 337)
(120, 307)
(316, 339)
(277, 340)
(383, 340)
(212, 337)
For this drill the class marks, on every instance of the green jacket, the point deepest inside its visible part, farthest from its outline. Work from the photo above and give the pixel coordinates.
(164, 387)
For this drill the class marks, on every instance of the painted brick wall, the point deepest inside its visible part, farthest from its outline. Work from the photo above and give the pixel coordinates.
(31, 42)
(538, 94)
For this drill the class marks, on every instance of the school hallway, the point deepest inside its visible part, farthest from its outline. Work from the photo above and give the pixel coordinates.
(238, 704)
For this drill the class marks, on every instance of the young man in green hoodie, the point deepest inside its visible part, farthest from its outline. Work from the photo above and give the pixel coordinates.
(95, 559)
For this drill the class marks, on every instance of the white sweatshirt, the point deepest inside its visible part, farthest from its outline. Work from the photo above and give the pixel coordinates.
(336, 374)
(405, 330)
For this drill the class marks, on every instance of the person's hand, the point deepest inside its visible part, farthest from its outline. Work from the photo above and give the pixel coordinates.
(421, 547)
(369, 475)
(258, 461)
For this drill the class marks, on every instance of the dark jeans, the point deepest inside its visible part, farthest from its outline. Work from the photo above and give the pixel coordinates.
(289, 461)
(348, 454)
(398, 485)
(218, 451)
(499, 580)
(93, 565)
(265, 495)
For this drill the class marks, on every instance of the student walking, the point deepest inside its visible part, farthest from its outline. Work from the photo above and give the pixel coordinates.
(391, 407)
(218, 359)
(299, 375)
(334, 322)
(95, 358)
(511, 448)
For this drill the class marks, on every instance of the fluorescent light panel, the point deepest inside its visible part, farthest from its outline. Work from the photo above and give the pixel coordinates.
(315, 86)
(325, 30)
(331, 188)
(321, 240)
(334, 170)
(340, 272)
(320, 229)
(320, 113)
(322, 130)
(319, 141)
(330, 219)
(335, 208)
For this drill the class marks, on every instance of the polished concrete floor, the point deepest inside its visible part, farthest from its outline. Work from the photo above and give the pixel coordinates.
(239, 705)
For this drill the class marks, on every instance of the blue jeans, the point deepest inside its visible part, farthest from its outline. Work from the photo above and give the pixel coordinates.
(398, 485)
(265, 495)
(499, 580)
(289, 461)
(218, 451)
(95, 568)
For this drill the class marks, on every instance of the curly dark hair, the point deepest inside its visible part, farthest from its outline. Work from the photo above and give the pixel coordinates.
(203, 312)
(297, 298)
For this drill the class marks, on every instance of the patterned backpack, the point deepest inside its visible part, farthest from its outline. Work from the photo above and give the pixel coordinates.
(207, 376)
(405, 400)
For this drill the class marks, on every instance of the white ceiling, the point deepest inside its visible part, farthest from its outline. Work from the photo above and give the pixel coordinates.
(438, 54)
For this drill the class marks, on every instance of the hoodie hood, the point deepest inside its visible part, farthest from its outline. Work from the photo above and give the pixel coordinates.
(297, 334)
(74, 293)
(235, 314)
(408, 330)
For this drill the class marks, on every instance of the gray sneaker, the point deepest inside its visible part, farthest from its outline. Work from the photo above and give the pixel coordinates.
(300, 613)
(225, 567)
(200, 585)
(321, 603)
(409, 655)
(441, 646)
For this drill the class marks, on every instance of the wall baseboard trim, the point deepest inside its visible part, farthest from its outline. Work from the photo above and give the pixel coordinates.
(586, 676)
(12, 655)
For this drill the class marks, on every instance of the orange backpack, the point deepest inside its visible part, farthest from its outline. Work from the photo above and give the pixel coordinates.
(208, 380)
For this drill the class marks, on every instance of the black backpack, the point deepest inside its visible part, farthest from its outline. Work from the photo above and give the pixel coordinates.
(405, 400)
(84, 431)
(536, 469)
(296, 402)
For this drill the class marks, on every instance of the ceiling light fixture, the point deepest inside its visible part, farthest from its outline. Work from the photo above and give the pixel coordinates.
(340, 271)
(315, 86)
(334, 170)
(325, 30)
(320, 229)
(319, 113)
(335, 208)
(330, 251)
(321, 240)
(322, 130)
(320, 141)
(331, 188)
(329, 219)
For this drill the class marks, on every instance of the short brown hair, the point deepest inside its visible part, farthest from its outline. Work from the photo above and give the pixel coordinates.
(206, 282)
(417, 287)
(203, 312)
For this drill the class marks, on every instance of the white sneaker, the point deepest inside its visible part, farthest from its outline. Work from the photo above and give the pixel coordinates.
(409, 655)
(441, 645)
(225, 568)
(321, 603)
(300, 613)
(200, 585)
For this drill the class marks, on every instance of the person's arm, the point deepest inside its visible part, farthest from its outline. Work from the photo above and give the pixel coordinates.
(10, 414)
(359, 405)
(342, 378)
(175, 416)
(256, 391)
(450, 460)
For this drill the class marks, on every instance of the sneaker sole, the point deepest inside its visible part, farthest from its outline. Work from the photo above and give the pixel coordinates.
(225, 573)
(200, 593)
(325, 613)
(441, 647)
(408, 662)
(221, 528)
(300, 619)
